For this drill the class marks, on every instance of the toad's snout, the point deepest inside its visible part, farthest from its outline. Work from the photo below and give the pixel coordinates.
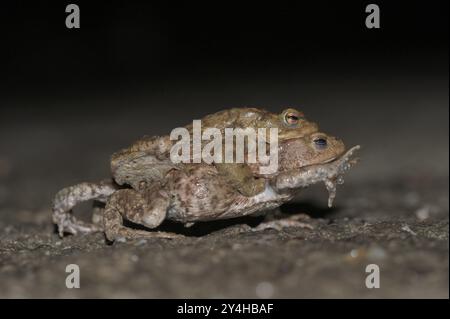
(326, 143)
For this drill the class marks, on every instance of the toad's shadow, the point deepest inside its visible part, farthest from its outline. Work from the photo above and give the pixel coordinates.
(312, 209)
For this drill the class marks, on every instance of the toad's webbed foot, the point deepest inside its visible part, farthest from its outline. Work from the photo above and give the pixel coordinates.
(67, 198)
(73, 226)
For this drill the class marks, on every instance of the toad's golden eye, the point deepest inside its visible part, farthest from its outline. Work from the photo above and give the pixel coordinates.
(291, 118)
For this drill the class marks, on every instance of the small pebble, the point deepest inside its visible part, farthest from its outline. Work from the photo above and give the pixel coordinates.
(264, 290)
(423, 213)
(408, 230)
(354, 253)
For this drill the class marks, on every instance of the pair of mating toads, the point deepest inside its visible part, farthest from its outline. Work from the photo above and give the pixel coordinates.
(147, 187)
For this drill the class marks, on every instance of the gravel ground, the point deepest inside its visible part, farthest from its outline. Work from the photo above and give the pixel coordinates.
(392, 211)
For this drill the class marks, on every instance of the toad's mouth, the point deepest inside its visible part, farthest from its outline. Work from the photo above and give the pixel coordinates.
(346, 155)
(331, 173)
(331, 159)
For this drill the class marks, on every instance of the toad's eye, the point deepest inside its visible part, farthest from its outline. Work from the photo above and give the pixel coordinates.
(291, 119)
(321, 143)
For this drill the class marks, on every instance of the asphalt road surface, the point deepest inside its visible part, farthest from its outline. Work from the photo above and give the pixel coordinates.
(392, 211)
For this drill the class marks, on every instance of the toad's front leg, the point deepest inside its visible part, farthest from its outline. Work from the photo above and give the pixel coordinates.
(148, 208)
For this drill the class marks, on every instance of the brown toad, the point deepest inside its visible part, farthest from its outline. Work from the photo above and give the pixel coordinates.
(199, 192)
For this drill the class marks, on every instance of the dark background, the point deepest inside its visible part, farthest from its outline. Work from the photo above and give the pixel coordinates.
(125, 43)
(69, 98)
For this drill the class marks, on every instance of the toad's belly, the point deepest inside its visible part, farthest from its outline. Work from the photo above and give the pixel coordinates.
(231, 205)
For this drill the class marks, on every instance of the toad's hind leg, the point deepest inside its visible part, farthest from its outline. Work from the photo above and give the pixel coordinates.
(148, 209)
(67, 198)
